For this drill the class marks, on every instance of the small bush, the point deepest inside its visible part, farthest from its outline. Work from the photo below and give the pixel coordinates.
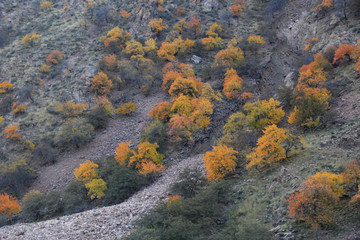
(127, 108)
(15, 178)
(74, 132)
(156, 132)
(75, 198)
(189, 183)
(44, 154)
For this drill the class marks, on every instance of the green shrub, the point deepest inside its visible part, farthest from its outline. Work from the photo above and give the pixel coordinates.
(156, 132)
(74, 132)
(121, 181)
(75, 198)
(189, 183)
(16, 177)
(199, 217)
(38, 206)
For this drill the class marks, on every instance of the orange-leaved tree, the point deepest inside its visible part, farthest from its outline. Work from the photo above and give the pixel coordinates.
(101, 83)
(55, 57)
(11, 132)
(238, 7)
(232, 84)
(220, 162)
(195, 25)
(116, 39)
(161, 112)
(315, 201)
(123, 153)
(9, 205)
(125, 14)
(5, 86)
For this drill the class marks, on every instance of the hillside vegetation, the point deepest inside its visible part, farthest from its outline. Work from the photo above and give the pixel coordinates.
(234, 119)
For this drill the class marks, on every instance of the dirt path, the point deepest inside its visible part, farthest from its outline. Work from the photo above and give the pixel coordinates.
(103, 223)
(59, 175)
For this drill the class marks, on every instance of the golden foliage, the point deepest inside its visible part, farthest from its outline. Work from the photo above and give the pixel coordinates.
(232, 84)
(264, 113)
(101, 83)
(134, 48)
(172, 200)
(18, 108)
(168, 50)
(116, 38)
(269, 148)
(229, 57)
(86, 172)
(146, 153)
(220, 162)
(123, 153)
(46, 5)
(127, 108)
(71, 109)
(150, 45)
(211, 42)
(214, 30)
(5, 86)
(256, 39)
(96, 188)
(156, 25)
(44, 68)
(30, 39)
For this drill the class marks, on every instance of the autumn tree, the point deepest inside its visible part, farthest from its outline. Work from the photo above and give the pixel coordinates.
(220, 162)
(96, 188)
(351, 176)
(125, 14)
(11, 132)
(181, 26)
(229, 57)
(254, 41)
(44, 68)
(147, 159)
(109, 63)
(310, 43)
(161, 112)
(116, 39)
(71, 109)
(5, 86)
(86, 172)
(55, 57)
(214, 30)
(232, 84)
(168, 50)
(180, 127)
(269, 148)
(238, 7)
(127, 108)
(101, 83)
(123, 153)
(311, 100)
(157, 26)
(263, 113)
(184, 86)
(315, 201)
(9, 205)
(30, 39)
(211, 42)
(323, 4)
(46, 5)
(134, 48)
(18, 108)
(195, 25)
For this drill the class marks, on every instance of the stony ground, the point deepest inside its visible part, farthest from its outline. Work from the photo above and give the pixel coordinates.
(103, 223)
(59, 175)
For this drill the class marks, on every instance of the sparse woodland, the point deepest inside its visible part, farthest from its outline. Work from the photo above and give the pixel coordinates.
(271, 102)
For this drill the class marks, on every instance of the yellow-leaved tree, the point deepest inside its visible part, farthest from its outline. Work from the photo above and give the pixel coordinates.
(220, 162)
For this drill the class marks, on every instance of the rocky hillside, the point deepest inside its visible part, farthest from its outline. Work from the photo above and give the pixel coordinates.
(53, 143)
